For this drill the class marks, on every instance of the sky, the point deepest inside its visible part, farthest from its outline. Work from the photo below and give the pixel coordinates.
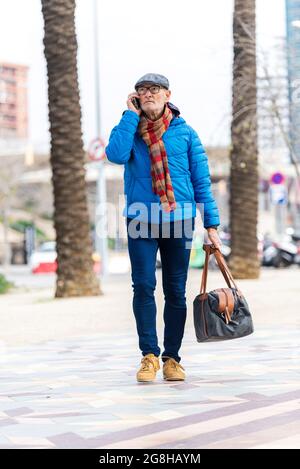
(190, 42)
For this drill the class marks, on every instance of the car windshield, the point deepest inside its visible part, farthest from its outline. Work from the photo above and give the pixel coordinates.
(47, 247)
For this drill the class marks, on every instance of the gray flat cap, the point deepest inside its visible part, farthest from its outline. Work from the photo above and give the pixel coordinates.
(154, 78)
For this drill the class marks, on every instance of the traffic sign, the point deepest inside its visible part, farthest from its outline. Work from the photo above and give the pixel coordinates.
(277, 178)
(96, 150)
(278, 194)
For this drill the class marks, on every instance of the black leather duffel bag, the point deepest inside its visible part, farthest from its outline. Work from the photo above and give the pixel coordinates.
(223, 313)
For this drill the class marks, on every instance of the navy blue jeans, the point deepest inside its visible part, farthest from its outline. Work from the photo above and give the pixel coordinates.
(174, 241)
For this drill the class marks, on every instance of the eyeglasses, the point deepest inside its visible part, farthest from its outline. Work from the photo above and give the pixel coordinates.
(154, 89)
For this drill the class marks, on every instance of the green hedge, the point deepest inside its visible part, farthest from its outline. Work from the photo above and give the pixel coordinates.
(5, 285)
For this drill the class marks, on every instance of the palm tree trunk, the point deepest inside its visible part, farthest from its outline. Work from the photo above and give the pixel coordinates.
(75, 276)
(244, 262)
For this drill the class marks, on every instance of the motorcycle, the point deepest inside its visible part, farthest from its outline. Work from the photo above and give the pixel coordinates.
(279, 253)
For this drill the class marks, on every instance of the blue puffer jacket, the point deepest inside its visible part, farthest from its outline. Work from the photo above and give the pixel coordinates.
(188, 166)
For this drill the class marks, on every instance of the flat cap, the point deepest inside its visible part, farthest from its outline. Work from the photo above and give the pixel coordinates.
(154, 78)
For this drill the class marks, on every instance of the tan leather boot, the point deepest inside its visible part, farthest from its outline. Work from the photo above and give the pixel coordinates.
(173, 371)
(150, 365)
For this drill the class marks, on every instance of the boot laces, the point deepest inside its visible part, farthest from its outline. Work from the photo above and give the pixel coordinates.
(175, 364)
(146, 362)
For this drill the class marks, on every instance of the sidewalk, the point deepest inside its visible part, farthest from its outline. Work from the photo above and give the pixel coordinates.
(68, 373)
(32, 315)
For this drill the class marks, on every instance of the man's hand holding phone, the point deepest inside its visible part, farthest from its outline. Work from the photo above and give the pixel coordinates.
(133, 103)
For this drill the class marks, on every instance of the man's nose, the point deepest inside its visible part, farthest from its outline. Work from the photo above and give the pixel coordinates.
(148, 92)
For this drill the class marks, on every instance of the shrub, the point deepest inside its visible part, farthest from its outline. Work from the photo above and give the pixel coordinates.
(5, 285)
(20, 226)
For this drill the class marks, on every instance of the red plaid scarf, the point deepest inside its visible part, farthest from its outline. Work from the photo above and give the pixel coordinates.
(151, 132)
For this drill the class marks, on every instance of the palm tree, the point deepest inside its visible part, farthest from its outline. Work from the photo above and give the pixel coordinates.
(244, 261)
(75, 276)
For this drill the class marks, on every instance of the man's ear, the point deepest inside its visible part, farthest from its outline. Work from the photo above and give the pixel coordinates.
(168, 94)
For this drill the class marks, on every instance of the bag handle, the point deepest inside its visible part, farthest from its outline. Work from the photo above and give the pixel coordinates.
(211, 249)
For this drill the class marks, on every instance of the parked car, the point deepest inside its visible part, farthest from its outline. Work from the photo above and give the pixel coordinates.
(43, 259)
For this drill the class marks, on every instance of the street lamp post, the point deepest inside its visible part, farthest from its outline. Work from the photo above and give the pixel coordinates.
(100, 215)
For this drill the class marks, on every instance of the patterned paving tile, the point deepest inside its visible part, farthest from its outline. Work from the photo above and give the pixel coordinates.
(82, 393)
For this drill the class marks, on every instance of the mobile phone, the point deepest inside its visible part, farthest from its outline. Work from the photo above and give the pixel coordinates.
(136, 103)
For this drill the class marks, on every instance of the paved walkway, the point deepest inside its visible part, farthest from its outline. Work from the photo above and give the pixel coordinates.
(79, 390)
(81, 393)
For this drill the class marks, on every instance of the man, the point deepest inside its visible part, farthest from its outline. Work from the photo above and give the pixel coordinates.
(166, 176)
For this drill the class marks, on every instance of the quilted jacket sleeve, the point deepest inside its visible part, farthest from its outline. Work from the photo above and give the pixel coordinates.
(200, 176)
(121, 138)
